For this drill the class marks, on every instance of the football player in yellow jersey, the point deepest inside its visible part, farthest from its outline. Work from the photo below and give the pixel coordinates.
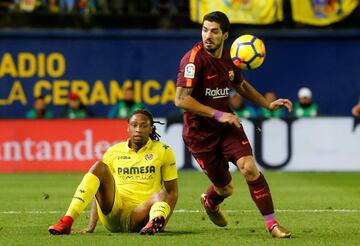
(135, 185)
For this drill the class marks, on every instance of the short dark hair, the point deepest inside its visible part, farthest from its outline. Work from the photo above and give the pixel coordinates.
(218, 17)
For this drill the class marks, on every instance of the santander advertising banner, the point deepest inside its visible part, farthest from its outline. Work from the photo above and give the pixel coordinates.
(307, 144)
(56, 145)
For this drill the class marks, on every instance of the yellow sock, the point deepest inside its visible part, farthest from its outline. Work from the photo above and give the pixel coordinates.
(159, 209)
(84, 193)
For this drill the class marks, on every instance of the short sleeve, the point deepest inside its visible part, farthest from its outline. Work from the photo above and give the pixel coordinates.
(168, 169)
(190, 69)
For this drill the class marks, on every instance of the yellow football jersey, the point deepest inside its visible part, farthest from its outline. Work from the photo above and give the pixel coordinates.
(138, 175)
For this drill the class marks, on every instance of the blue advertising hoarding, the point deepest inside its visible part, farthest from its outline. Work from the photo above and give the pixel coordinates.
(98, 65)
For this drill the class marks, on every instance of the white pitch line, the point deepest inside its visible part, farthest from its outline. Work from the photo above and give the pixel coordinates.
(201, 211)
(280, 210)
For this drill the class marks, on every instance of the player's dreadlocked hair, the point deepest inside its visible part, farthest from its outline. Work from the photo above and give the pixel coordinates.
(153, 135)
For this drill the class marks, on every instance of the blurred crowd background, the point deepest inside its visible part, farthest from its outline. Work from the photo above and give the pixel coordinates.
(152, 13)
(312, 52)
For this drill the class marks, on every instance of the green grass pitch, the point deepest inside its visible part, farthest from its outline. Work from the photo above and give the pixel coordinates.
(319, 208)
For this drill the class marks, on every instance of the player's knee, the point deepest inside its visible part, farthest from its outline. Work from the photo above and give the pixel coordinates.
(99, 169)
(248, 168)
(160, 196)
(250, 174)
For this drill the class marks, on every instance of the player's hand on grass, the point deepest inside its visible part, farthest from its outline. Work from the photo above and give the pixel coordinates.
(281, 103)
(85, 230)
(225, 117)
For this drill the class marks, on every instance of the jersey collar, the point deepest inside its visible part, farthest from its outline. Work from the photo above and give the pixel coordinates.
(148, 145)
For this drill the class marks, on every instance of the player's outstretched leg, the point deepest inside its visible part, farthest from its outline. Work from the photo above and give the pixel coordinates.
(158, 214)
(211, 202)
(85, 192)
(260, 193)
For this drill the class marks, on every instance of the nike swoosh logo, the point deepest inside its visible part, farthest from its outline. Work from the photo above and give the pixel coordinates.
(244, 142)
(258, 191)
(211, 76)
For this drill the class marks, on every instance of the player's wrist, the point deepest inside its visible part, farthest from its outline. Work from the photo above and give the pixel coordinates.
(218, 114)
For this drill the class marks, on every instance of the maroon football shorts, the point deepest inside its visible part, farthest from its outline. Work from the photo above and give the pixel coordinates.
(231, 145)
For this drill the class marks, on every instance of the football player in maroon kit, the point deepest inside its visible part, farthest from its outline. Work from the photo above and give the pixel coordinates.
(212, 133)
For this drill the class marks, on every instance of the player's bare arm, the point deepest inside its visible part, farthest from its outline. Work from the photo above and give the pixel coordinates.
(92, 220)
(185, 101)
(171, 188)
(249, 92)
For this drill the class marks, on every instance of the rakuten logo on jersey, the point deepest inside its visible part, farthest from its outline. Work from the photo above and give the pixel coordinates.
(217, 92)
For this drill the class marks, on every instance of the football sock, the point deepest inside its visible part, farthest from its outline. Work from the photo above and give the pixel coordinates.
(260, 194)
(159, 209)
(84, 193)
(270, 221)
(214, 198)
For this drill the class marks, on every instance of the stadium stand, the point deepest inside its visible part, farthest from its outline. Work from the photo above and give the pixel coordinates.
(136, 14)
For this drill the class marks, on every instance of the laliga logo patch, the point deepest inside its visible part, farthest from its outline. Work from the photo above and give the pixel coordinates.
(189, 72)
(149, 157)
(231, 75)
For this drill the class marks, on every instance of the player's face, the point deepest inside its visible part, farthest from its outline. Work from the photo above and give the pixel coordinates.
(139, 129)
(212, 37)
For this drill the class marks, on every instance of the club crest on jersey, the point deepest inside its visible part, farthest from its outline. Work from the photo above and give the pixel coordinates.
(189, 72)
(231, 75)
(149, 157)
